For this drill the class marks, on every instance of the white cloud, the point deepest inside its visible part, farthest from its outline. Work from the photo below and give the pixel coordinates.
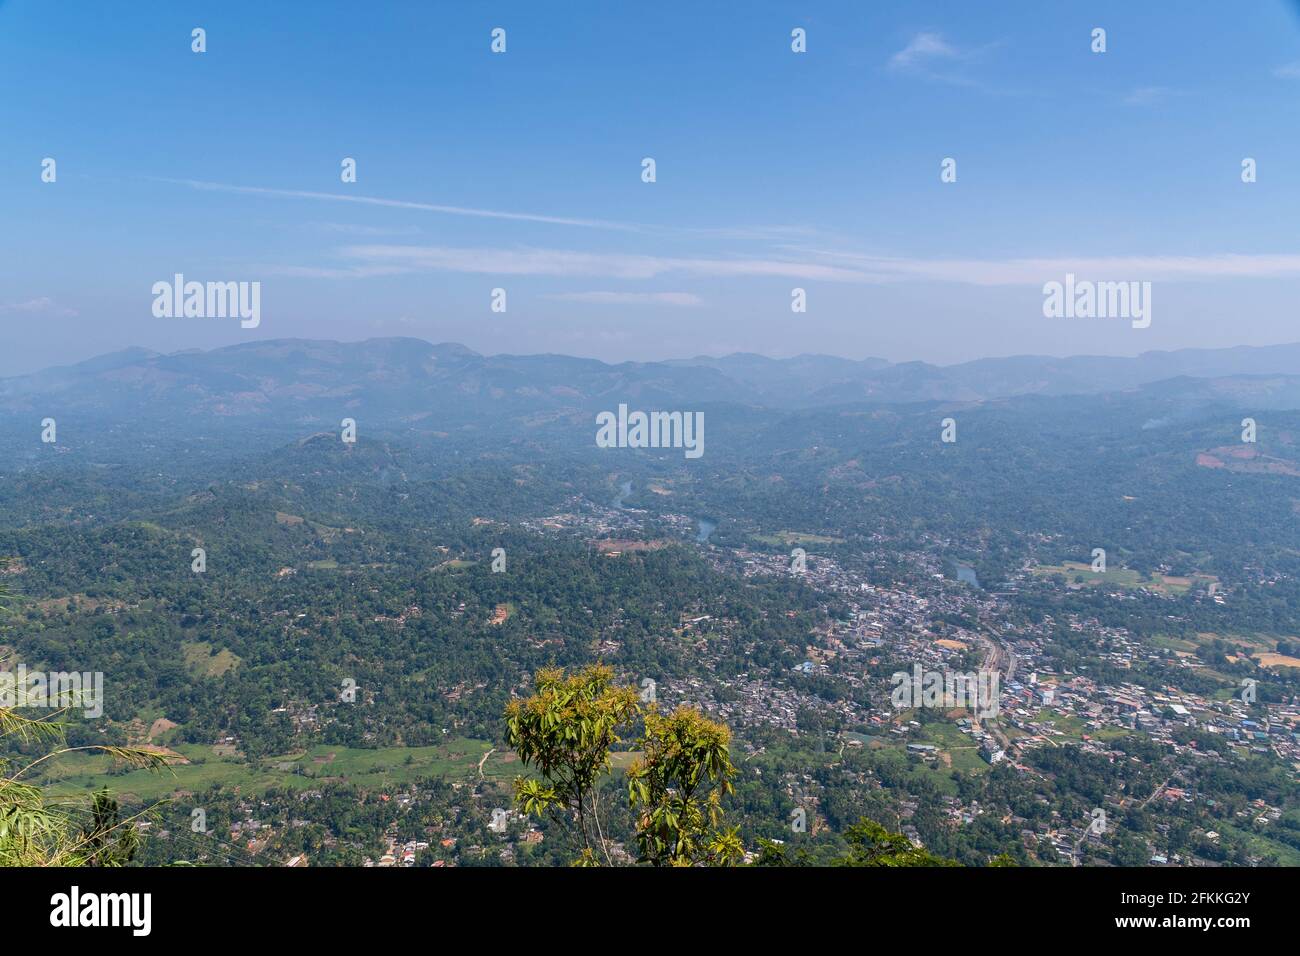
(405, 204)
(802, 263)
(1035, 271)
(354, 229)
(931, 57)
(755, 233)
(563, 262)
(335, 272)
(922, 48)
(1149, 95)
(810, 265)
(1288, 71)
(42, 305)
(629, 298)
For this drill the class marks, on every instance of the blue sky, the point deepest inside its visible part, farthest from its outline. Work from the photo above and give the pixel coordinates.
(775, 170)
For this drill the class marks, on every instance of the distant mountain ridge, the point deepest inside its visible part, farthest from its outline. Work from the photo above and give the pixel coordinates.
(407, 380)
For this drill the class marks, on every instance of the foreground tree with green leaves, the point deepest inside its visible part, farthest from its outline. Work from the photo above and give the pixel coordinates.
(37, 830)
(678, 786)
(567, 729)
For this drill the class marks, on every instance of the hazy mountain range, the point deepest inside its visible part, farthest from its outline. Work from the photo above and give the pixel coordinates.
(405, 380)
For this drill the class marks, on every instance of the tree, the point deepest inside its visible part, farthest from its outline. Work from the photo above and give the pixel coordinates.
(107, 842)
(677, 786)
(566, 730)
(870, 844)
(38, 831)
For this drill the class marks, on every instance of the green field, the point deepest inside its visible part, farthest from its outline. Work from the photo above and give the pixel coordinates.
(200, 660)
(1165, 642)
(383, 767)
(961, 748)
(957, 755)
(914, 769)
(1260, 844)
(1073, 729)
(455, 564)
(1124, 577)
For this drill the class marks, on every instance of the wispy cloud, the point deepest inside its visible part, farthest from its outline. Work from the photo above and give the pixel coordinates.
(629, 298)
(1035, 271)
(39, 306)
(749, 233)
(406, 204)
(924, 48)
(335, 272)
(804, 264)
(930, 56)
(565, 262)
(1288, 71)
(354, 229)
(1149, 96)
